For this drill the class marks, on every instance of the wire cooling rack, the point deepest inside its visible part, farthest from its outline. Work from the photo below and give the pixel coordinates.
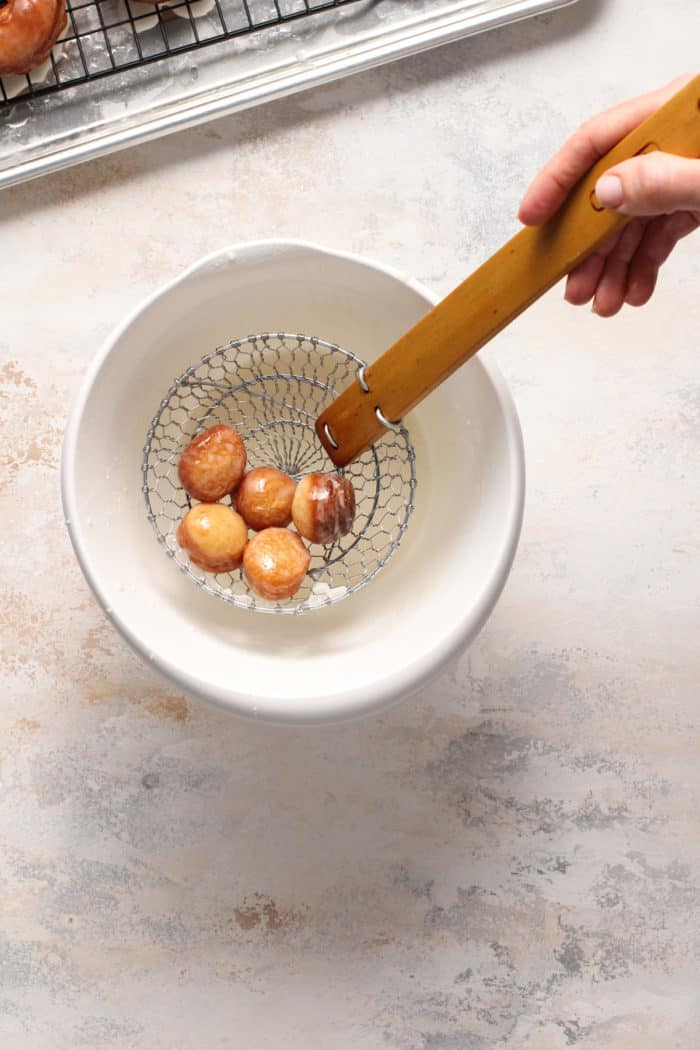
(104, 37)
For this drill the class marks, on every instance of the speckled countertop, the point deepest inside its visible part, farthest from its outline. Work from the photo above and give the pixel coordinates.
(508, 860)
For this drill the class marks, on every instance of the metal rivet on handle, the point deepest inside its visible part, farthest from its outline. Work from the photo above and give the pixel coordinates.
(595, 203)
(385, 422)
(329, 437)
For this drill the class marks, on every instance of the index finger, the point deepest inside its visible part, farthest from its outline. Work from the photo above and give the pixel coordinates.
(549, 189)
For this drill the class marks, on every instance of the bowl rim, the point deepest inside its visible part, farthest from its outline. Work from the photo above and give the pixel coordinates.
(354, 702)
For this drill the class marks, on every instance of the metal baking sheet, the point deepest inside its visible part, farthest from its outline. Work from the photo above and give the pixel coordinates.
(50, 132)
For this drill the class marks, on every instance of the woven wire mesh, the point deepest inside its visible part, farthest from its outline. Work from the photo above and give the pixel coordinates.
(271, 388)
(104, 37)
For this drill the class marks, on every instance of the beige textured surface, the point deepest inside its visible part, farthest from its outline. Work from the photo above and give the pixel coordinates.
(508, 860)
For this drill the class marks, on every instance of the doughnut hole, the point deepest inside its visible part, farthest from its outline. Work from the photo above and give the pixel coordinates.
(214, 536)
(275, 563)
(213, 463)
(323, 509)
(264, 498)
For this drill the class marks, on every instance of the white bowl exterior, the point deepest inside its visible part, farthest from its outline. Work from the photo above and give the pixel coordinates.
(390, 637)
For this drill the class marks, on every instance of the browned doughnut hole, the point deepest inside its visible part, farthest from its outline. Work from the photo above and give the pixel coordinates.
(264, 498)
(214, 536)
(213, 463)
(28, 31)
(275, 564)
(324, 507)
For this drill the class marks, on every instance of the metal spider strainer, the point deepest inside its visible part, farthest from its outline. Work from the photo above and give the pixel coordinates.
(271, 388)
(292, 397)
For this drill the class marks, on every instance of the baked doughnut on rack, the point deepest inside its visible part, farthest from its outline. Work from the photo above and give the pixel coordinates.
(28, 31)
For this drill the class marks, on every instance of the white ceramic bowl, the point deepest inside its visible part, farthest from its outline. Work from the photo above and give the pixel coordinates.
(389, 638)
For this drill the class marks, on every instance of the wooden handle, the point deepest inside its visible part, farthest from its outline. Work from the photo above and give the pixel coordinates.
(506, 284)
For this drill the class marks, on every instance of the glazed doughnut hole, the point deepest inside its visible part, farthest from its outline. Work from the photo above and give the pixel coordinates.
(275, 563)
(323, 510)
(264, 498)
(213, 464)
(214, 536)
(28, 31)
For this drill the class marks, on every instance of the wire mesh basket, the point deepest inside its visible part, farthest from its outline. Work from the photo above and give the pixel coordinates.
(271, 388)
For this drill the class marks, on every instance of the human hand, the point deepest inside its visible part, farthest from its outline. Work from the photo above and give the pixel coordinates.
(662, 191)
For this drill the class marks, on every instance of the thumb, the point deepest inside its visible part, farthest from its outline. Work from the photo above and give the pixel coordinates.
(653, 184)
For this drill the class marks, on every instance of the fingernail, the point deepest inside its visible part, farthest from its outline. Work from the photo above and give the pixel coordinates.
(608, 190)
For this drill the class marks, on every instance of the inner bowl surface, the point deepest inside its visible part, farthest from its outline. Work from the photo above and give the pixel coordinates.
(392, 635)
